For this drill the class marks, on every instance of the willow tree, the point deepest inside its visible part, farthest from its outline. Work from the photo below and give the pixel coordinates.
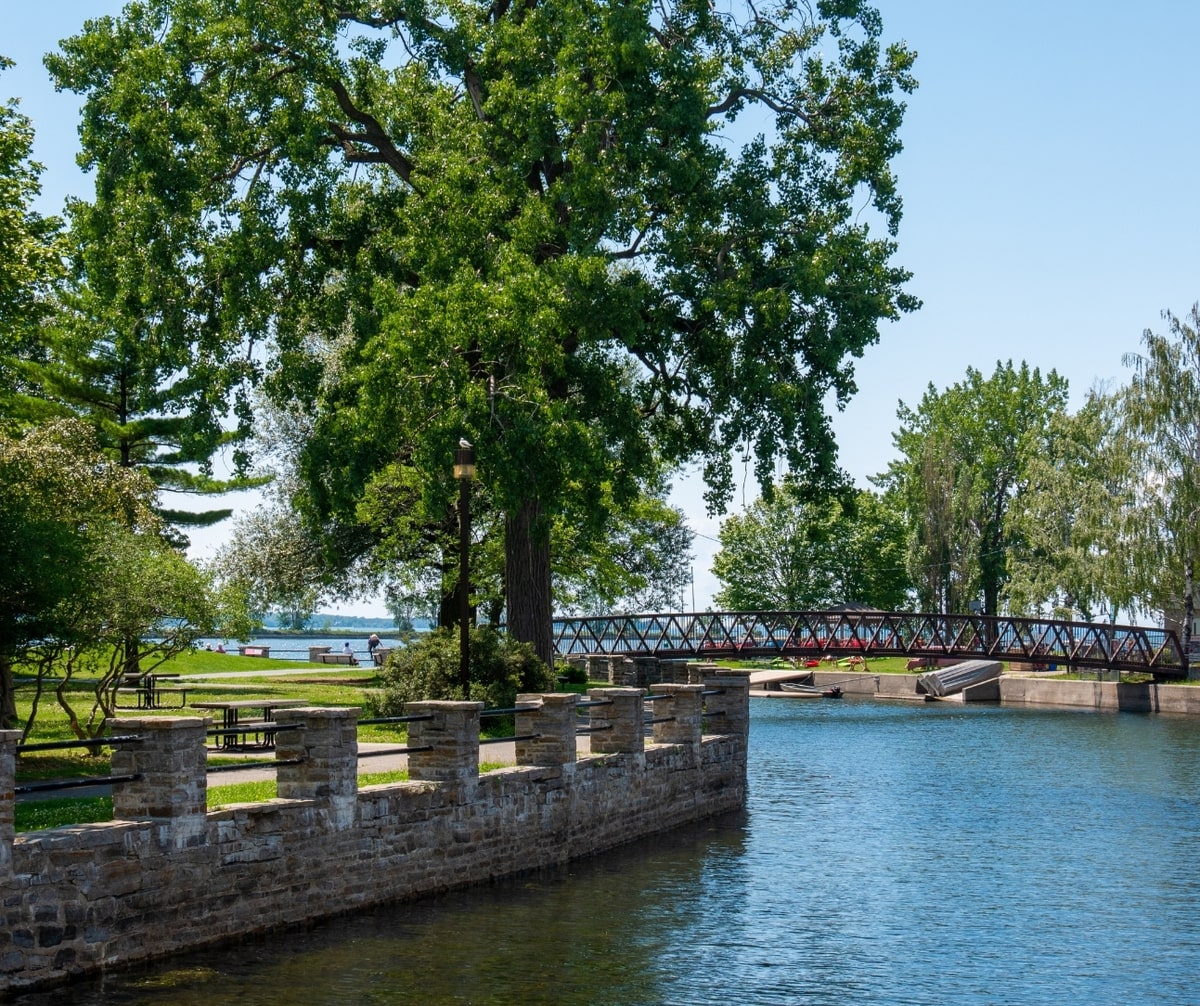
(470, 219)
(1162, 410)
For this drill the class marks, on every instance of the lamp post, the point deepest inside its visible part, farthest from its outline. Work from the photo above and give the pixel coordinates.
(464, 471)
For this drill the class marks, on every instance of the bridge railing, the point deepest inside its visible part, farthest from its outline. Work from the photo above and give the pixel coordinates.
(875, 633)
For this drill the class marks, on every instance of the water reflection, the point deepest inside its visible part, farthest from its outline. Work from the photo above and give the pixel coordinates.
(890, 853)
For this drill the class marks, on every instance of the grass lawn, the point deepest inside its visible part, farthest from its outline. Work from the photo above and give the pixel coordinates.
(207, 677)
(874, 665)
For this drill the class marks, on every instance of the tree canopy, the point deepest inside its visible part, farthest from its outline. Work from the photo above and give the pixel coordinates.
(791, 552)
(480, 220)
(30, 251)
(963, 460)
(1162, 408)
(84, 561)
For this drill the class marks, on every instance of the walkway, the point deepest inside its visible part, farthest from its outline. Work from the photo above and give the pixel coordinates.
(810, 634)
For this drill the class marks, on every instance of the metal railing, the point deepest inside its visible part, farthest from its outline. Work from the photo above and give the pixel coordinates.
(813, 634)
(50, 785)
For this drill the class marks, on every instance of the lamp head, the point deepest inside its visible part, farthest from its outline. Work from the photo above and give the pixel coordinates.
(464, 461)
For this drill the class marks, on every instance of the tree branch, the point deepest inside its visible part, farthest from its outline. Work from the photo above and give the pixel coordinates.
(372, 135)
(754, 94)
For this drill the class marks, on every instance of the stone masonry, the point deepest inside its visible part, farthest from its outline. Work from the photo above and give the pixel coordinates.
(169, 875)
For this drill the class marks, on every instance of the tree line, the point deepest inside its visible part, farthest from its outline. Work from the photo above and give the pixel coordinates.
(1003, 500)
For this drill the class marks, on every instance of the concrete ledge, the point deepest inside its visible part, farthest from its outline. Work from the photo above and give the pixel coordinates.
(1017, 689)
(1110, 696)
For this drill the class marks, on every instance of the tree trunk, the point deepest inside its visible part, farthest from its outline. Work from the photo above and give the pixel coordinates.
(8, 697)
(1189, 611)
(527, 579)
(131, 663)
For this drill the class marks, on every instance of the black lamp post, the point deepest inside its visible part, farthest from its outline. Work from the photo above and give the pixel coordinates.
(464, 471)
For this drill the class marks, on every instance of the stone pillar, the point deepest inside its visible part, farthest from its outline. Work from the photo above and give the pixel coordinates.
(679, 715)
(646, 670)
(727, 706)
(599, 667)
(553, 721)
(8, 769)
(622, 672)
(452, 734)
(173, 788)
(617, 727)
(327, 748)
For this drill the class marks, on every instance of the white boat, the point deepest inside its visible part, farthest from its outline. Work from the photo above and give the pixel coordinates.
(953, 679)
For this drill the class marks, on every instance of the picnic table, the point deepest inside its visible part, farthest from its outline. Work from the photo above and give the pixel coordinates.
(259, 727)
(151, 692)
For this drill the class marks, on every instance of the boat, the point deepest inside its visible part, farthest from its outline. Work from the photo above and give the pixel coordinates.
(957, 677)
(811, 691)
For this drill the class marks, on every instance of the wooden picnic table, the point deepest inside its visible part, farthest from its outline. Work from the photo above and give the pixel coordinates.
(150, 691)
(231, 720)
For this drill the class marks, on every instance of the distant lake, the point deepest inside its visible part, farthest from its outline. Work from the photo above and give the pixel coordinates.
(295, 647)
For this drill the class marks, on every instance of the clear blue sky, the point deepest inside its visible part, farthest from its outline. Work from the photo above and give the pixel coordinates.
(1048, 176)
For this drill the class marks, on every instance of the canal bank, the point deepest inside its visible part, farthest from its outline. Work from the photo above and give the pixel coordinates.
(1020, 688)
(888, 853)
(167, 874)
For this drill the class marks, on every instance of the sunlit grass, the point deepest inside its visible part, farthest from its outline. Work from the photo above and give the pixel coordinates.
(36, 815)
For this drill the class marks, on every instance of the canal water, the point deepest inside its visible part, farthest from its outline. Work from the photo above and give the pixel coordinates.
(890, 853)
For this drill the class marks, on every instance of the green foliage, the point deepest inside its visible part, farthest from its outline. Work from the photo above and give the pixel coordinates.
(501, 668)
(641, 563)
(574, 676)
(1162, 410)
(1071, 526)
(964, 456)
(30, 253)
(86, 568)
(795, 553)
(529, 225)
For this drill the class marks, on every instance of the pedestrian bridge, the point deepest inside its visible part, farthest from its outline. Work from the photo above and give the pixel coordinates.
(866, 633)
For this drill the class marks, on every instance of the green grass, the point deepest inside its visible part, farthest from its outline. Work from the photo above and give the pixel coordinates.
(36, 815)
(874, 665)
(335, 686)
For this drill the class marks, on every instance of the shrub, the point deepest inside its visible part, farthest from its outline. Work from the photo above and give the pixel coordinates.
(575, 675)
(500, 668)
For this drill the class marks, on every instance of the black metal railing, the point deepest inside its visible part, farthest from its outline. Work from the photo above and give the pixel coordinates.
(813, 634)
(50, 785)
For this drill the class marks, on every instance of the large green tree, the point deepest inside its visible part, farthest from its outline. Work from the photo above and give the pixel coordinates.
(791, 552)
(1073, 527)
(473, 219)
(30, 252)
(62, 508)
(1162, 408)
(963, 460)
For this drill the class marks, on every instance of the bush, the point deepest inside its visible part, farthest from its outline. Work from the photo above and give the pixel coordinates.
(572, 675)
(500, 668)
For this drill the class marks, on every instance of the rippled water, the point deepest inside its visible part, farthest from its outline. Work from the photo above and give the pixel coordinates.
(889, 853)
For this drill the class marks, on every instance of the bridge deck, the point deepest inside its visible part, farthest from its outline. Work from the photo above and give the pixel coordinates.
(810, 634)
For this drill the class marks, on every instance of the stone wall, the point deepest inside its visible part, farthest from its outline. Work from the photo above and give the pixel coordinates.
(1016, 689)
(170, 875)
(1110, 696)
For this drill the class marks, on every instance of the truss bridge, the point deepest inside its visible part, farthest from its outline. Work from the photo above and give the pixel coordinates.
(813, 634)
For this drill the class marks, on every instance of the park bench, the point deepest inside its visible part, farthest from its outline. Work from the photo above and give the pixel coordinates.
(337, 658)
